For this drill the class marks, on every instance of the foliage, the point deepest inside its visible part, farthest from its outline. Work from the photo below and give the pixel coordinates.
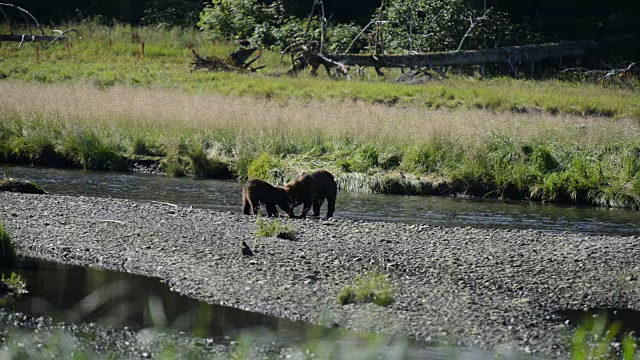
(8, 253)
(233, 19)
(263, 166)
(439, 25)
(269, 26)
(372, 287)
(274, 227)
(340, 36)
(279, 36)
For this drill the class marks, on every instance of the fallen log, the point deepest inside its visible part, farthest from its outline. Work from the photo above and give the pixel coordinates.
(32, 38)
(504, 55)
(29, 37)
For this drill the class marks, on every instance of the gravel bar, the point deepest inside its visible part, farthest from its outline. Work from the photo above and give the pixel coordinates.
(466, 286)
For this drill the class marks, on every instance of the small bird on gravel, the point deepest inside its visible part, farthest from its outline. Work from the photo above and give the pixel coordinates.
(246, 250)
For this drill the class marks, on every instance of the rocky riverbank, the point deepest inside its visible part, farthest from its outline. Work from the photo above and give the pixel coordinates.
(467, 286)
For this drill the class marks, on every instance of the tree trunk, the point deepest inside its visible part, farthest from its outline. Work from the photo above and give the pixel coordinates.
(505, 55)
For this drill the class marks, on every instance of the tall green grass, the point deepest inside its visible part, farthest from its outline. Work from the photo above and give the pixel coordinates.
(167, 65)
(546, 170)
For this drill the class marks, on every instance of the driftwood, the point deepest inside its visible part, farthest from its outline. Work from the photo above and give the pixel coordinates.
(612, 77)
(243, 58)
(238, 61)
(505, 55)
(303, 56)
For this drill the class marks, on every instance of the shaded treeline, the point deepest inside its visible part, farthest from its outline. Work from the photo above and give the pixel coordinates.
(615, 24)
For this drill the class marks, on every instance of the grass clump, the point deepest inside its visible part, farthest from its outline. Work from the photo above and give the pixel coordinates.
(274, 227)
(16, 282)
(594, 339)
(372, 287)
(90, 150)
(204, 167)
(8, 255)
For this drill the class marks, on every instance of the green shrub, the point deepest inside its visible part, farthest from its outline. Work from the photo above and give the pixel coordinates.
(372, 287)
(543, 161)
(270, 228)
(262, 166)
(444, 21)
(232, 19)
(8, 255)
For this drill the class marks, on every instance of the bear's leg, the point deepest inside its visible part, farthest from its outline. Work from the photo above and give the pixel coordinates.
(287, 209)
(331, 204)
(308, 202)
(317, 203)
(272, 211)
(255, 205)
(246, 205)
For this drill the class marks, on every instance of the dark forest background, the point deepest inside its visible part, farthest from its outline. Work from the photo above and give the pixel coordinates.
(613, 24)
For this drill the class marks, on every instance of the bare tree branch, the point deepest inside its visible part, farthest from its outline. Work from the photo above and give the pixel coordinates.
(357, 36)
(472, 24)
(22, 12)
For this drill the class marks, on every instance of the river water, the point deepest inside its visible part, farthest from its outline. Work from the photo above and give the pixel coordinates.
(76, 294)
(434, 210)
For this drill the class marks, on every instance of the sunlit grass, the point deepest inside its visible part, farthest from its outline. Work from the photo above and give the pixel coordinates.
(166, 65)
(94, 106)
(557, 158)
(274, 228)
(371, 287)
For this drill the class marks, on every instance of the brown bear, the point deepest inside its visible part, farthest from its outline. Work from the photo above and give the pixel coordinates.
(256, 192)
(313, 189)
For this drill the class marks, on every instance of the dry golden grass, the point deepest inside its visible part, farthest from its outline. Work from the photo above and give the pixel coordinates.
(165, 111)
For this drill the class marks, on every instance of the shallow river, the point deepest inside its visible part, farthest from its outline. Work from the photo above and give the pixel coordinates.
(434, 210)
(76, 294)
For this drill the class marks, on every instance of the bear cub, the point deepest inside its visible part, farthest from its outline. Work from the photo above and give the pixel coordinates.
(256, 192)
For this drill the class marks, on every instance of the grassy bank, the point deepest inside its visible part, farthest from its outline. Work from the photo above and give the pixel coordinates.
(405, 150)
(106, 57)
